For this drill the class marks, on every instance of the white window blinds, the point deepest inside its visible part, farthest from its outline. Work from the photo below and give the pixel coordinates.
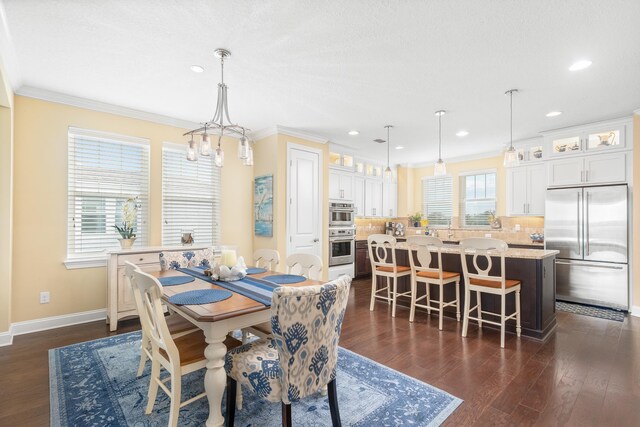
(190, 197)
(104, 171)
(478, 198)
(437, 199)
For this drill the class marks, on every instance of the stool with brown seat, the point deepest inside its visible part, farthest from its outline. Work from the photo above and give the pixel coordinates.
(420, 258)
(483, 282)
(382, 252)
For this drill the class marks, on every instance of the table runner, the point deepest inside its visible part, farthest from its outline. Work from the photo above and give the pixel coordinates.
(256, 289)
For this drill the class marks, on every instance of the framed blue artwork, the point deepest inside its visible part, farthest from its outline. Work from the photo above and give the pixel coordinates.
(263, 205)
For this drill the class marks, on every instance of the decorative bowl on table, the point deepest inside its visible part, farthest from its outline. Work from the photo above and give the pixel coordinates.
(537, 237)
(227, 274)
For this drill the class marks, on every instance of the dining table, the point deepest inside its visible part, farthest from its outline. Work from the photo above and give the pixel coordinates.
(216, 320)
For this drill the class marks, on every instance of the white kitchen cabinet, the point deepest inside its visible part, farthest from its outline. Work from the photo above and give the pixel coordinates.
(526, 188)
(359, 195)
(587, 139)
(596, 169)
(340, 185)
(389, 198)
(372, 197)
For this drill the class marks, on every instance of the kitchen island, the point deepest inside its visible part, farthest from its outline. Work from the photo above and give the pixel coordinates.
(535, 268)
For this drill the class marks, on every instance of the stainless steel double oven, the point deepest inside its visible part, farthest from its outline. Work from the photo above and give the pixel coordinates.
(342, 234)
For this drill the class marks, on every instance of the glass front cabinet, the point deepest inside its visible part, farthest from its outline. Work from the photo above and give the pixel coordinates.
(589, 139)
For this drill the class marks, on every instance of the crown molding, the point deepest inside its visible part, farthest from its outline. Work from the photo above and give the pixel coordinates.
(283, 130)
(596, 123)
(103, 107)
(637, 112)
(8, 58)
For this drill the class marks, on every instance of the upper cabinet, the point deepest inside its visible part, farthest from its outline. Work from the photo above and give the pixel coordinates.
(341, 160)
(588, 139)
(588, 170)
(526, 190)
(531, 150)
(340, 185)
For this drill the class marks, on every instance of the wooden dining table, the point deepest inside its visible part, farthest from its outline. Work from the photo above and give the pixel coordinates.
(217, 320)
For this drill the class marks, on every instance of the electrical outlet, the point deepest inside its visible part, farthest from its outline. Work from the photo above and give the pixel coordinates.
(487, 235)
(44, 297)
(517, 227)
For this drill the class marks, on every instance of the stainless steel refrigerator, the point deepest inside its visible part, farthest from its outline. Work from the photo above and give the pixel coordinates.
(588, 225)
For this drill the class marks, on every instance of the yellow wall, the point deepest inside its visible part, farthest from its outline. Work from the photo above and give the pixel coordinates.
(635, 242)
(265, 154)
(455, 169)
(6, 215)
(40, 208)
(405, 191)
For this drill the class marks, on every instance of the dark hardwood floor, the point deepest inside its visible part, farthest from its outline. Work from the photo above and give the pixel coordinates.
(586, 374)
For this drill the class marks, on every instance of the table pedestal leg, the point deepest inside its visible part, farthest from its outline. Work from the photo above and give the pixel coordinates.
(215, 379)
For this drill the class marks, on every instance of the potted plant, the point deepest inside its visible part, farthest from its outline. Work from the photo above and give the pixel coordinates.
(127, 227)
(415, 219)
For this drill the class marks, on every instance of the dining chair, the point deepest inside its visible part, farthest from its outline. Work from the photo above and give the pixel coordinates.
(267, 258)
(482, 281)
(301, 357)
(172, 260)
(178, 325)
(307, 265)
(382, 252)
(421, 250)
(179, 356)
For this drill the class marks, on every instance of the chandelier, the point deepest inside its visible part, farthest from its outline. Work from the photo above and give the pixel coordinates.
(220, 125)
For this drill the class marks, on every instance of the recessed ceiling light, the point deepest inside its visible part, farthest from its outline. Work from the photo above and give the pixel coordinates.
(553, 113)
(197, 68)
(580, 65)
(354, 132)
(462, 133)
(399, 147)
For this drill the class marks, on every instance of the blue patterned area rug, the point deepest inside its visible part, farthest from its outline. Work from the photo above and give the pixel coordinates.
(94, 383)
(588, 310)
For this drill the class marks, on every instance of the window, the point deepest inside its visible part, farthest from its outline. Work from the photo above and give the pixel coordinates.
(190, 197)
(437, 199)
(104, 171)
(478, 198)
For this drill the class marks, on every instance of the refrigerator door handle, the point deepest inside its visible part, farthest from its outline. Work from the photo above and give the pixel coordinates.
(586, 223)
(578, 226)
(610, 267)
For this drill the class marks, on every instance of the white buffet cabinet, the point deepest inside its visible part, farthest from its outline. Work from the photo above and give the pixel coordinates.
(120, 303)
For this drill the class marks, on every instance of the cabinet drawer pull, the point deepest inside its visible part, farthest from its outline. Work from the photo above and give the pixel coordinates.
(141, 259)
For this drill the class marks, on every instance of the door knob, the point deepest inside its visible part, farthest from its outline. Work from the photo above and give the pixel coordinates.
(316, 240)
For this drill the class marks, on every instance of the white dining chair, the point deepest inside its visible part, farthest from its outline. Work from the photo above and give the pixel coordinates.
(266, 258)
(307, 265)
(481, 281)
(382, 252)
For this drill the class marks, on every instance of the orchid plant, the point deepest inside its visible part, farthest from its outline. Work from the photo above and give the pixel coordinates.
(129, 215)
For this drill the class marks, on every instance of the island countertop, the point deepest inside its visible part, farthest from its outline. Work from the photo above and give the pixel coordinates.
(511, 252)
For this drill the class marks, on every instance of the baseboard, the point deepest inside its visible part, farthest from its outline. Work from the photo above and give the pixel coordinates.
(46, 323)
(635, 311)
(6, 338)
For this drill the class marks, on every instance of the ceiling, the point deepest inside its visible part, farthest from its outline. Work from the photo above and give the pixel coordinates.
(327, 67)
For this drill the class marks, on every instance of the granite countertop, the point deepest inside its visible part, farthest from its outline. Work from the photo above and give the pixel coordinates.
(511, 252)
(457, 240)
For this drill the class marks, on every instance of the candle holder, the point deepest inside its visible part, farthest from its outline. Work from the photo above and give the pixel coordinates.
(228, 256)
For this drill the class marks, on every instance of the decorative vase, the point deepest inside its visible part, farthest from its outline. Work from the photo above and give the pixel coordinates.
(126, 243)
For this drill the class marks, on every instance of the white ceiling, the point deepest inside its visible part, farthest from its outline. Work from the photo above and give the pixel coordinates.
(327, 67)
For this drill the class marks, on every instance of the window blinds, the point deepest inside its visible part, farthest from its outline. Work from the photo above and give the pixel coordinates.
(104, 170)
(190, 197)
(437, 199)
(478, 198)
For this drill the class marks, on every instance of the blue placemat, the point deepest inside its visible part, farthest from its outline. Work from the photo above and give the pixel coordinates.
(256, 270)
(285, 279)
(200, 296)
(175, 280)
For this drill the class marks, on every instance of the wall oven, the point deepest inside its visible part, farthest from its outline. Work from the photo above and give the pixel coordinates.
(341, 214)
(342, 242)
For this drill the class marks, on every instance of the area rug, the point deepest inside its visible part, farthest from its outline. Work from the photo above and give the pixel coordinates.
(94, 383)
(587, 310)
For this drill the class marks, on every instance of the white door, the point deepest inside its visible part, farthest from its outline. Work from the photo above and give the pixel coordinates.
(566, 172)
(334, 185)
(305, 214)
(358, 195)
(537, 189)
(376, 198)
(346, 185)
(516, 191)
(605, 168)
(390, 198)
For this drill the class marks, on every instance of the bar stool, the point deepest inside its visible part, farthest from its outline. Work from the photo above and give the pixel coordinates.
(483, 282)
(422, 272)
(382, 252)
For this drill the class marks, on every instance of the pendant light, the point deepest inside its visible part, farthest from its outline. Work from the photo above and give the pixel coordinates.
(387, 172)
(440, 168)
(511, 155)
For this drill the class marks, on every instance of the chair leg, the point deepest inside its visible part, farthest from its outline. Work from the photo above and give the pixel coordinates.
(479, 298)
(467, 305)
(286, 415)
(394, 292)
(245, 336)
(176, 393)
(458, 301)
(231, 402)
(239, 397)
(374, 281)
(144, 344)
(388, 282)
(441, 292)
(153, 386)
(414, 292)
(502, 321)
(428, 298)
(333, 404)
(518, 328)
(324, 390)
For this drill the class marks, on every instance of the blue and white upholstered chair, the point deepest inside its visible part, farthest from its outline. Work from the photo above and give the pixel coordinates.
(302, 355)
(172, 260)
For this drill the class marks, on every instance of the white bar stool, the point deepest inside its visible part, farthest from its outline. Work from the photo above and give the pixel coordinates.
(382, 252)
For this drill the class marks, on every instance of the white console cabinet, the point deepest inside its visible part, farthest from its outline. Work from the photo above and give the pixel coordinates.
(120, 303)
